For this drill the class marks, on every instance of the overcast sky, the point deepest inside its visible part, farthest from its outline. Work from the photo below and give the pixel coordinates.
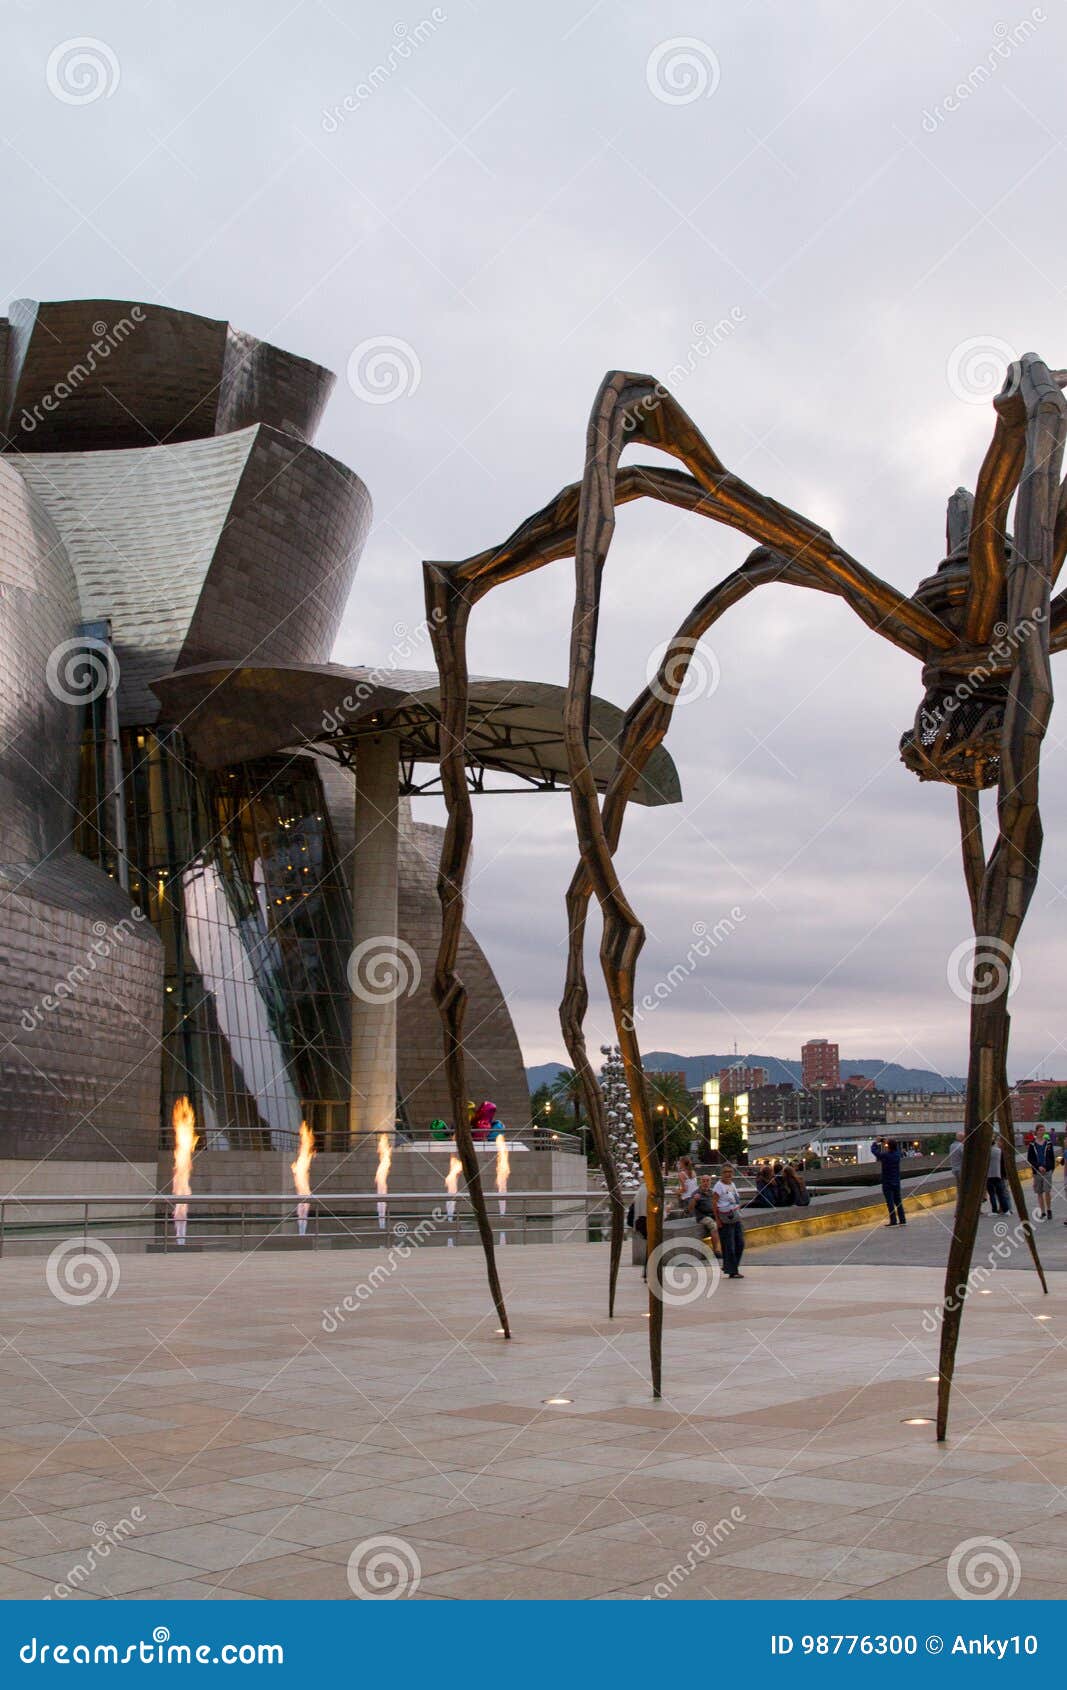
(868, 201)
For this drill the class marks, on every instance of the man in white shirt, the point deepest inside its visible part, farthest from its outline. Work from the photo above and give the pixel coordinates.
(727, 1201)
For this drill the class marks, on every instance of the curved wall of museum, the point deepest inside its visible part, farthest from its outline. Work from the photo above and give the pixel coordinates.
(95, 374)
(80, 975)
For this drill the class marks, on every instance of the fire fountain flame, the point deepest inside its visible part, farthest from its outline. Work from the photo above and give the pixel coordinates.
(186, 1139)
(503, 1169)
(381, 1174)
(455, 1168)
(301, 1172)
(452, 1183)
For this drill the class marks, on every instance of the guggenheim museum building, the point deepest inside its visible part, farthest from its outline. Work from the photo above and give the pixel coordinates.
(206, 838)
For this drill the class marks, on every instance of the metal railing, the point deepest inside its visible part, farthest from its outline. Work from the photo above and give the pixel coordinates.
(248, 1221)
(338, 1140)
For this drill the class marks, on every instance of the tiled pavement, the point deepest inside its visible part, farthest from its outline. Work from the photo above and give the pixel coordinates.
(203, 1433)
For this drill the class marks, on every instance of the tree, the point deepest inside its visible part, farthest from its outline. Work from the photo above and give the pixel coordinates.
(1054, 1104)
(674, 1108)
(541, 1106)
(732, 1145)
(566, 1089)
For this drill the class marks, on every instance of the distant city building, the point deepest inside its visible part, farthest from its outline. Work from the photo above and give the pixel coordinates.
(820, 1066)
(737, 1077)
(1028, 1098)
(861, 1082)
(785, 1106)
(924, 1107)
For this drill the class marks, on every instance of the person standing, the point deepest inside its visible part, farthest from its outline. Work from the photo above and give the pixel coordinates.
(726, 1200)
(1041, 1155)
(887, 1152)
(955, 1158)
(998, 1191)
(638, 1218)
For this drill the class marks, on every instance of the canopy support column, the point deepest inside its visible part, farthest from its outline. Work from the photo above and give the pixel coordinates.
(376, 970)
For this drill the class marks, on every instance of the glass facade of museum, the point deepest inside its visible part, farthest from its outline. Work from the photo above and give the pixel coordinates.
(237, 870)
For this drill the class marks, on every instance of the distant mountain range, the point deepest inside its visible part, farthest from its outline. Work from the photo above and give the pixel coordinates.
(887, 1076)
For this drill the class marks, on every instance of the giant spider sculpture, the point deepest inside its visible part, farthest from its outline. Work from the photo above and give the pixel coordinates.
(982, 625)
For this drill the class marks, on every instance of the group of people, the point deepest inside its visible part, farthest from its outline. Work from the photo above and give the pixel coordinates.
(1041, 1156)
(717, 1204)
(780, 1185)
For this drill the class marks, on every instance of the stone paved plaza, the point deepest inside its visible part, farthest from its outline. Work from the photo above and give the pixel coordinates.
(251, 1450)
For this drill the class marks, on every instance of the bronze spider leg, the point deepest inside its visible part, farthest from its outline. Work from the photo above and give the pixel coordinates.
(644, 729)
(636, 404)
(974, 868)
(448, 633)
(452, 590)
(1009, 877)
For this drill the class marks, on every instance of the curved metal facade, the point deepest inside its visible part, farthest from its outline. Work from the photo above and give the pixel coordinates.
(80, 973)
(212, 549)
(86, 374)
(160, 503)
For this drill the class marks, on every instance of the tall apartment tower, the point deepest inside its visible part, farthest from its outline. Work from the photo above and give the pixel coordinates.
(820, 1065)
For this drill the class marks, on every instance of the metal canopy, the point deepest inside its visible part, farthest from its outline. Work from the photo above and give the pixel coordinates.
(232, 713)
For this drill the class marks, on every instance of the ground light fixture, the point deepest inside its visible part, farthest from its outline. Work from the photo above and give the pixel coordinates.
(557, 1402)
(918, 1420)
